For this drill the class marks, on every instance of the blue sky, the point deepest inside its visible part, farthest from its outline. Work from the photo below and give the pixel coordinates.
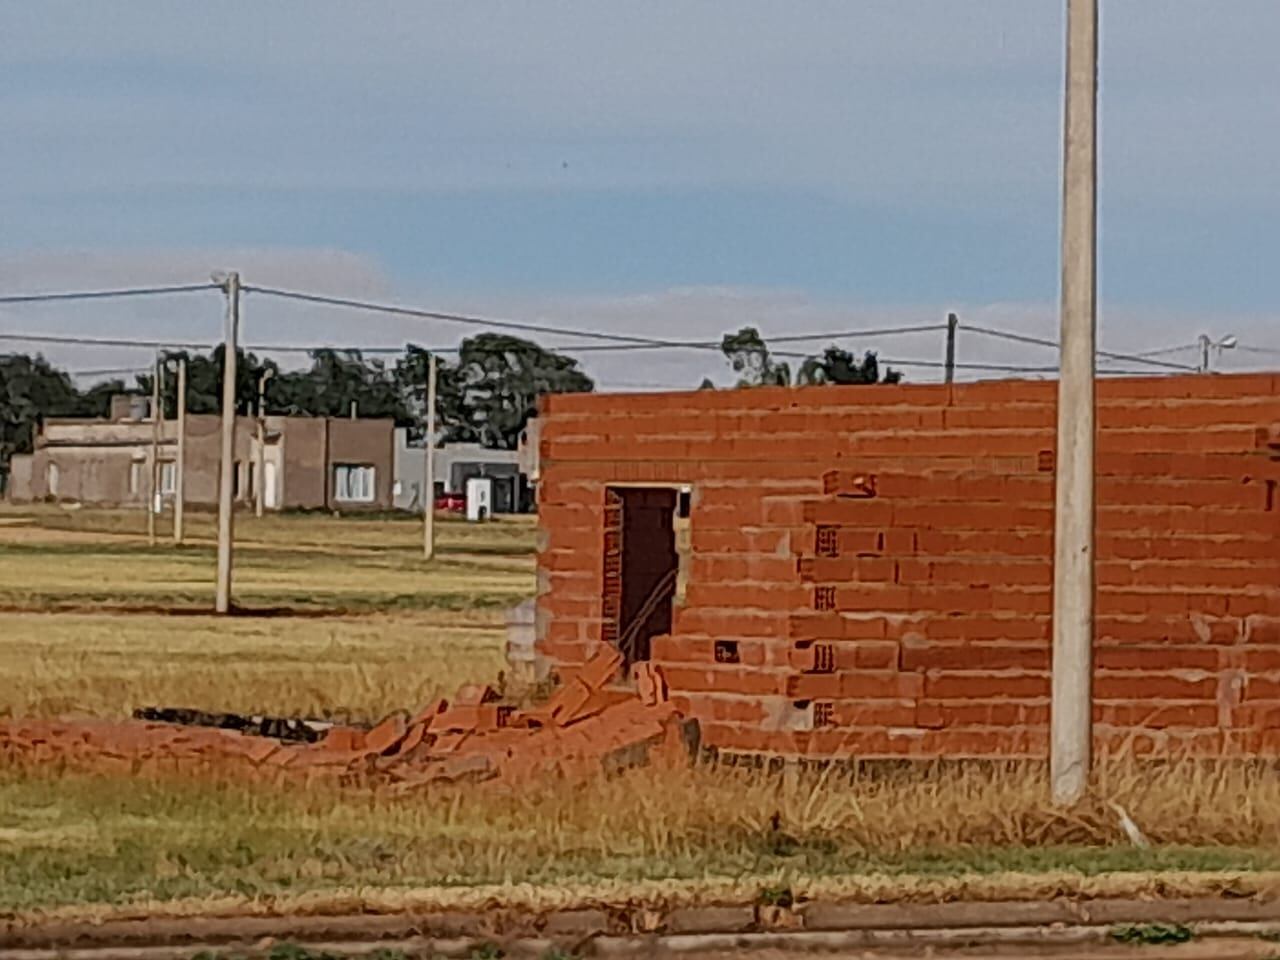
(673, 167)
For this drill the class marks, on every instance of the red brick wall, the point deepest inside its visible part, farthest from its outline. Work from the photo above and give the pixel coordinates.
(878, 560)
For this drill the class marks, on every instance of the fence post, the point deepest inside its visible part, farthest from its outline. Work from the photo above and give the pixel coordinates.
(952, 322)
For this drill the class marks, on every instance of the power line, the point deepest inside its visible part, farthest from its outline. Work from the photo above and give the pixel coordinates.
(1265, 351)
(449, 317)
(109, 372)
(191, 345)
(106, 294)
(939, 365)
(1041, 342)
(627, 340)
(103, 341)
(1166, 350)
(375, 350)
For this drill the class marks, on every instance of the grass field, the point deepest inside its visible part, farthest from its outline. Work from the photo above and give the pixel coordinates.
(351, 620)
(94, 621)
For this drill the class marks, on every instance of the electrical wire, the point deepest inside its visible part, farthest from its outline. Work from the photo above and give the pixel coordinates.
(106, 294)
(192, 345)
(103, 341)
(393, 350)
(396, 351)
(109, 372)
(621, 341)
(461, 318)
(1040, 341)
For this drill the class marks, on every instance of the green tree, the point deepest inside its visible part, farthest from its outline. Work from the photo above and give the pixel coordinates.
(30, 388)
(335, 380)
(840, 366)
(488, 394)
(96, 401)
(749, 356)
(204, 381)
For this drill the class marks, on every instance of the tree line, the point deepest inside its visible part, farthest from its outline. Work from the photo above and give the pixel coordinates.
(485, 393)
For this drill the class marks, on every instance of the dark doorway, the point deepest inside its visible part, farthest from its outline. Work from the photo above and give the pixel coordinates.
(641, 567)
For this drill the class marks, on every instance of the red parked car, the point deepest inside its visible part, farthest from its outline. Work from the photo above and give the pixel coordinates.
(452, 503)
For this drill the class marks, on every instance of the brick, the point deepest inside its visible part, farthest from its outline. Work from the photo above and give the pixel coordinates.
(950, 685)
(876, 713)
(937, 714)
(387, 734)
(474, 694)
(1156, 715)
(870, 655)
(975, 656)
(1168, 657)
(849, 483)
(344, 739)
(735, 679)
(1262, 630)
(1154, 686)
(813, 658)
(651, 684)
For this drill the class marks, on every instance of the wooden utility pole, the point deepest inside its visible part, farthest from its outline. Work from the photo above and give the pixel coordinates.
(260, 494)
(153, 475)
(1071, 730)
(180, 467)
(429, 467)
(227, 463)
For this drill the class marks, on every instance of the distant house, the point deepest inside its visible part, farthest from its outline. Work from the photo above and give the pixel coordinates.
(455, 464)
(308, 462)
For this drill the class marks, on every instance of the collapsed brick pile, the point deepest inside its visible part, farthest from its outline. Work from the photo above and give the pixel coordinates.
(586, 727)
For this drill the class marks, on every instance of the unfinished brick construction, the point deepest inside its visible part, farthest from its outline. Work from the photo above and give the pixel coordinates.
(866, 571)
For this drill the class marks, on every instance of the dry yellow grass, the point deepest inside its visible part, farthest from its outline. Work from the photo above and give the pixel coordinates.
(106, 653)
(924, 835)
(79, 840)
(360, 666)
(56, 560)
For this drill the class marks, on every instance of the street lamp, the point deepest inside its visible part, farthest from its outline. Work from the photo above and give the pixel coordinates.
(1206, 342)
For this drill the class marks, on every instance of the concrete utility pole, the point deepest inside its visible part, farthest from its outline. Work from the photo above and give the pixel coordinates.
(153, 475)
(227, 465)
(952, 323)
(1071, 731)
(429, 467)
(180, 468)
(261, 469)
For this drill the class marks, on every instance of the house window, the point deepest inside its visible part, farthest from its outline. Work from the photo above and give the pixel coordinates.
(135, 477)
(51, 478)
(168, 478)
(353, 482)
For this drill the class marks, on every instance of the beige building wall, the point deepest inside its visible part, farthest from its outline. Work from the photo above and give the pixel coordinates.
(105, 462)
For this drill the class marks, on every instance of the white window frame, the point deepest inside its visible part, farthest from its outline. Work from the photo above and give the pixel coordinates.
(52, 478)
(168, 478)
(355, 482)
